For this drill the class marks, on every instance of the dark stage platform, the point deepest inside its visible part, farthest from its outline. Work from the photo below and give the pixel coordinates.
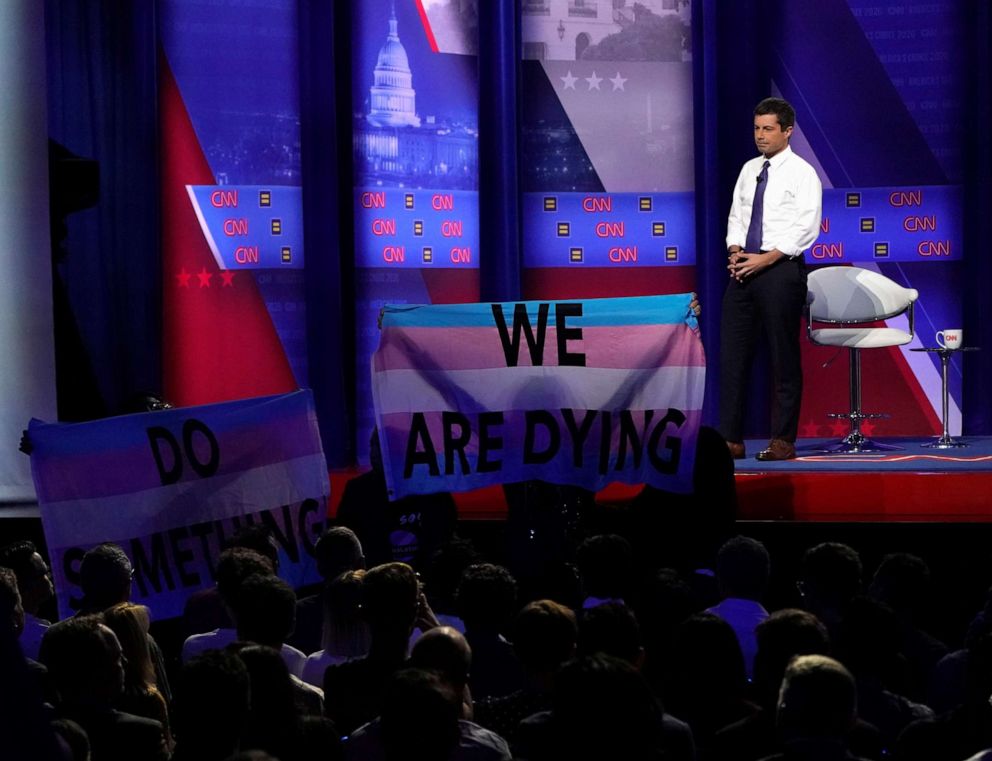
(915, 483)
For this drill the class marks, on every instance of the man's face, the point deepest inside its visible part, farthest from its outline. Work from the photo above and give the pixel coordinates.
(769, 135)
(39, 588)
(115, 661)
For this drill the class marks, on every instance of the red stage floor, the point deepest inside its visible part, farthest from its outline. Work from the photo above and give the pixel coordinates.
(916, 483)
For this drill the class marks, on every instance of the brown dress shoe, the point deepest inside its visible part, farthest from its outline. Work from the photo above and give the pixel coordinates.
(777, 449)
(736, 450)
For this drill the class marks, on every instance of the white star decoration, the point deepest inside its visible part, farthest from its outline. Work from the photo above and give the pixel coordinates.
(594, 81)
(618, 82)
(569, 80)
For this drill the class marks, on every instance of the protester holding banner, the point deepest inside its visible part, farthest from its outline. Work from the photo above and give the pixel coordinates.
(774, 218)
(404, 530)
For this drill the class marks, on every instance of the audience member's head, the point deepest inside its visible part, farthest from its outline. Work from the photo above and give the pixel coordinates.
(130, 623)
(75, 738)
(742, 568)
(319, 739)
(781, 637)
(234, 566)
(978, 677)
(390, 597)
(869, 642)
(818, 700)
(265, 610)
(85, 661)
(259, 538)
(606, 565)
(272, 717)
(707, 664)
(902, 581)
(11, 610)
(34, 578)
(444, 571)
(544, 636)
(603, 708)
(105, 577)
(830, 576)
(446, 651)
(611, 629)
(665, 602)
(213, 698)
(345, 631)
(338, 550)
(419, 717)
(486, 598)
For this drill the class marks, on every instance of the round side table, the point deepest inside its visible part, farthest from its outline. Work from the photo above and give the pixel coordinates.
(945, 441)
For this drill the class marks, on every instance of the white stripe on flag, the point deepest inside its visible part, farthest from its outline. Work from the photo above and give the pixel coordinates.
(528, 388)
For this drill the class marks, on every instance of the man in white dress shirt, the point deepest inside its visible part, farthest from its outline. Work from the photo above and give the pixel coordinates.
(774, 218)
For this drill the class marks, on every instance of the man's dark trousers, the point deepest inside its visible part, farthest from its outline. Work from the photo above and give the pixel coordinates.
(772, 302)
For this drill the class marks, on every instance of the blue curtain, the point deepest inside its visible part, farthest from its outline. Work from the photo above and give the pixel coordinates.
(730, 75)
(102, 105)
(978, 201)
(499, 119)
(325, 142)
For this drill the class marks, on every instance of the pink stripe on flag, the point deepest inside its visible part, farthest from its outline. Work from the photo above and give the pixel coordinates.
(621, 346)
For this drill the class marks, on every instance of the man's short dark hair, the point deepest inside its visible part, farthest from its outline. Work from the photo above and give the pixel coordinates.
(419, 717)
(486, 597)
(604, 708)
(611, 629)
(742, 568)
(212, 702)
(234, 566)
(781, 637)
(105, 576)
(901, 581)
(75, 652)
(17, 557)
(781, 108)
(265, 610)
(338, 550)
(831, 572)
(606, 563)
(390, 595)
(258, 537)
(544, 635)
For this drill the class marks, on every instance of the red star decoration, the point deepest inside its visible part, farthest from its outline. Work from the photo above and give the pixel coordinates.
(183, 278)
(227, 278)
(204, 277)
(868, 427)
(839, 427)
(810, 430)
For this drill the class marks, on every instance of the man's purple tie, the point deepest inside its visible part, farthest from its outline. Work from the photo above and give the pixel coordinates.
(753, 243)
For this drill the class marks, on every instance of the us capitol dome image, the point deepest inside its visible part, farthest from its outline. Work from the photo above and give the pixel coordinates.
(394, 146)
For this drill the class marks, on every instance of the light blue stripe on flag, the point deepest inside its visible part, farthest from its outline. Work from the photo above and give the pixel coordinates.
(637, 310)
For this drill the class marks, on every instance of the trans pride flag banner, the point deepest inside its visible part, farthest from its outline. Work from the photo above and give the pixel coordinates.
(171, 486)
(582, 392)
